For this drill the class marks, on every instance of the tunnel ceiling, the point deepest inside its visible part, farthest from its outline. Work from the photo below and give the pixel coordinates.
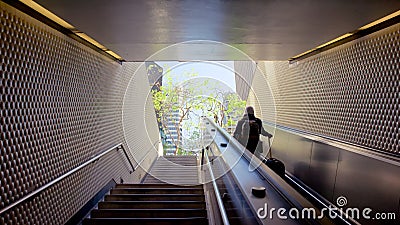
(264, 29)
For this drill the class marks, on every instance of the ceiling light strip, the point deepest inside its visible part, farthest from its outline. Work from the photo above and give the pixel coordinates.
(51, 16)
(381, 20)
(360, 32)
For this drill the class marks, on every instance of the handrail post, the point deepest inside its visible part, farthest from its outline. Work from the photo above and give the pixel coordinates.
(129, 161)
(202, 156)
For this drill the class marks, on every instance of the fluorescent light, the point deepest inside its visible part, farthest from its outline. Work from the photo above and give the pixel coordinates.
(381, 20)
(335, 40)
(388, 17)
(43, 11)
(91, 40)
(40, 9)
(114, 54)
(304, 53)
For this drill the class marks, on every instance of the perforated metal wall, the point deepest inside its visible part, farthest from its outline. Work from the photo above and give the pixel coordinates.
(60, 106)
(244, 73)
(139, 118)
(350, 92)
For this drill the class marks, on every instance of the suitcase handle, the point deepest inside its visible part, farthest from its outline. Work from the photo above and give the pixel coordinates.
(269, 148)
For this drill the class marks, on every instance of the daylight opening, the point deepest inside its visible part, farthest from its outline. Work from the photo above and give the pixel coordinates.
(184, 92)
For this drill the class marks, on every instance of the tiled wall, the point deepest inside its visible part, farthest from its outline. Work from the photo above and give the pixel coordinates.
(350, 92)
(244, 73)
(61, 104)
(349, 98)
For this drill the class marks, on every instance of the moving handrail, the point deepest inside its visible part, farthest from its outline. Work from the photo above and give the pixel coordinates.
(51, 183)
(221, 207)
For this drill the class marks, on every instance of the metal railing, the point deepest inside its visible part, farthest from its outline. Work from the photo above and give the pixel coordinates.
(51, 183)
(127, 157)
(221, 207)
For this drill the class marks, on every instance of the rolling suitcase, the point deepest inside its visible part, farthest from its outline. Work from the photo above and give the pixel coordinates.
(274, 164)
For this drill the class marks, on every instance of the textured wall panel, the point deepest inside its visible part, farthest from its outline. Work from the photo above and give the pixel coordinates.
(58, 203)
(139, 118)
(244, 73)
(261, 97)
(350, 92)
(60, 106)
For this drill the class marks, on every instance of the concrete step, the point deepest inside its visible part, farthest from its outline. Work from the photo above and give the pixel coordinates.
(172, 173)
(175, 170)
(152, 205)
(172, 177)
(187, 170)
(146, 221)
(148, 213)
(143, 204)
(155, 197)
(157, 191)
(164, 185)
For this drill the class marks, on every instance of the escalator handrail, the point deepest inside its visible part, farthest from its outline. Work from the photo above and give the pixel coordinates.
(221, 207)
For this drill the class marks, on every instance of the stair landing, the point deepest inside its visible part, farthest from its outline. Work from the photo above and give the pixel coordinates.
(179, 170)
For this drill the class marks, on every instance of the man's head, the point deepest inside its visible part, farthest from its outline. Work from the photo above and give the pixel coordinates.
(250, 110)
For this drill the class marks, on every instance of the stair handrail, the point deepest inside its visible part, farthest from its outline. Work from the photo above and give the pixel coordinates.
(51, 183)
(127, 157)
(221, 207)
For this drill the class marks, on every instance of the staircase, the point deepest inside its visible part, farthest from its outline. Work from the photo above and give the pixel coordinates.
(154, 201)
(180, 170)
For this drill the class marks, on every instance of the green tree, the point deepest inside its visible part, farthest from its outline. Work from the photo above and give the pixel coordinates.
(187, 102)
(176, 101)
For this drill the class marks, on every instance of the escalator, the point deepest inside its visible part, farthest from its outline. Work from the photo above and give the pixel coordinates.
(242, 171)
(236, 207)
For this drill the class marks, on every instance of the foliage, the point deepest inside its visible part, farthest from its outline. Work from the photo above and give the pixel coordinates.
(187, 102)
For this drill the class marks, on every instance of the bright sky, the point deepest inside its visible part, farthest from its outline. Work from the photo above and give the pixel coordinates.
(221, 71)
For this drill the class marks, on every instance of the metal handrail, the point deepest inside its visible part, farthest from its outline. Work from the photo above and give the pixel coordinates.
(127, 157)
(51, 183)
(221, 207)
